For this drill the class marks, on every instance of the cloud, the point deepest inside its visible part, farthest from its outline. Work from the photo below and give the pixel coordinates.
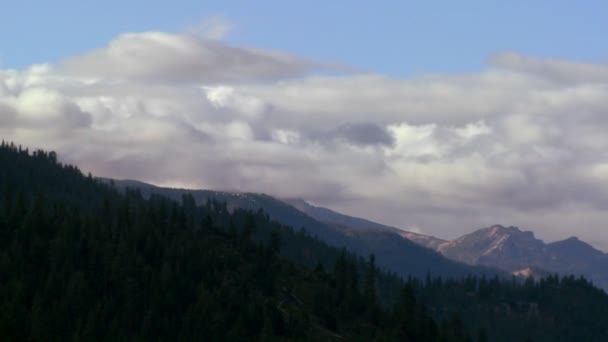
(40, 108)
(363, 134)
(556, 70)
(8, 117)
(186, 58)
(520, 143)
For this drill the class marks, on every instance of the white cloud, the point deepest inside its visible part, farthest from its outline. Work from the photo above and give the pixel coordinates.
(523, 145)
(556, 70)
(415, 141)
(226, 97)
(184, 58)
(473, 130)
(286, 136)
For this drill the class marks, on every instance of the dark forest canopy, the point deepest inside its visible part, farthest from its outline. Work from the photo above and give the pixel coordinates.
(82, 261)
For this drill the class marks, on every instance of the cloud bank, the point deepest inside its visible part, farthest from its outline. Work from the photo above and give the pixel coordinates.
(522, 142)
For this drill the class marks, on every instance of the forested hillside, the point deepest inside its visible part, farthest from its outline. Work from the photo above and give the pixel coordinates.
(80, 261)
(393, 252)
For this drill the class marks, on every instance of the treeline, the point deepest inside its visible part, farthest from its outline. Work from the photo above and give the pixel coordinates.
(82, 261)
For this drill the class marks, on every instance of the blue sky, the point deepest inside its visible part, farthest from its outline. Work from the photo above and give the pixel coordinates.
(397, 38)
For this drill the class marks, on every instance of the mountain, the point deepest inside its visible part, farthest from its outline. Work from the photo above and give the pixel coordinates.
(327, 215)
(360, 224)
(507, 248)
(395, 247)
(392, 249)
(276, 209)
(400, 255)
(423, 240)
(512, 250)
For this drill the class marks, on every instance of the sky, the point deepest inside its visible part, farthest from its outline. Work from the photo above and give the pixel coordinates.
(397, 38)
(437, 117)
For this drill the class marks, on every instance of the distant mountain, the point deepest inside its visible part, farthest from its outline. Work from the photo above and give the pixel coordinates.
(405, 257)
(357, 223)
(393, 250)
(330, 216)
(276, 209)
(513, 250)
(427, 241)
(506, 248)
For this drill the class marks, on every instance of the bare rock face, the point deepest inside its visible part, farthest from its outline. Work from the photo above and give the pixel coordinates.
(508, 246)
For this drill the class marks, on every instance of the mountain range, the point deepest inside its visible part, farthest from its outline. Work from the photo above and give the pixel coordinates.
(485, 250)
(513, 250)
(506, 248)
(392, 250)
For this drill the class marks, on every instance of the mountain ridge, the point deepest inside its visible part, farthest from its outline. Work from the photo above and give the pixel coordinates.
(334, 217)
(508, 248)
(393, 251)
(512, 249)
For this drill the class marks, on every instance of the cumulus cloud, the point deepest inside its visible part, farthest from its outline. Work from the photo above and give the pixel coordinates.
(43, 107)
(186, 58)
(522, 142)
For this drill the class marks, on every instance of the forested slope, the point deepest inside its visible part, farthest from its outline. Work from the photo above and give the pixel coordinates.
(81, 261)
